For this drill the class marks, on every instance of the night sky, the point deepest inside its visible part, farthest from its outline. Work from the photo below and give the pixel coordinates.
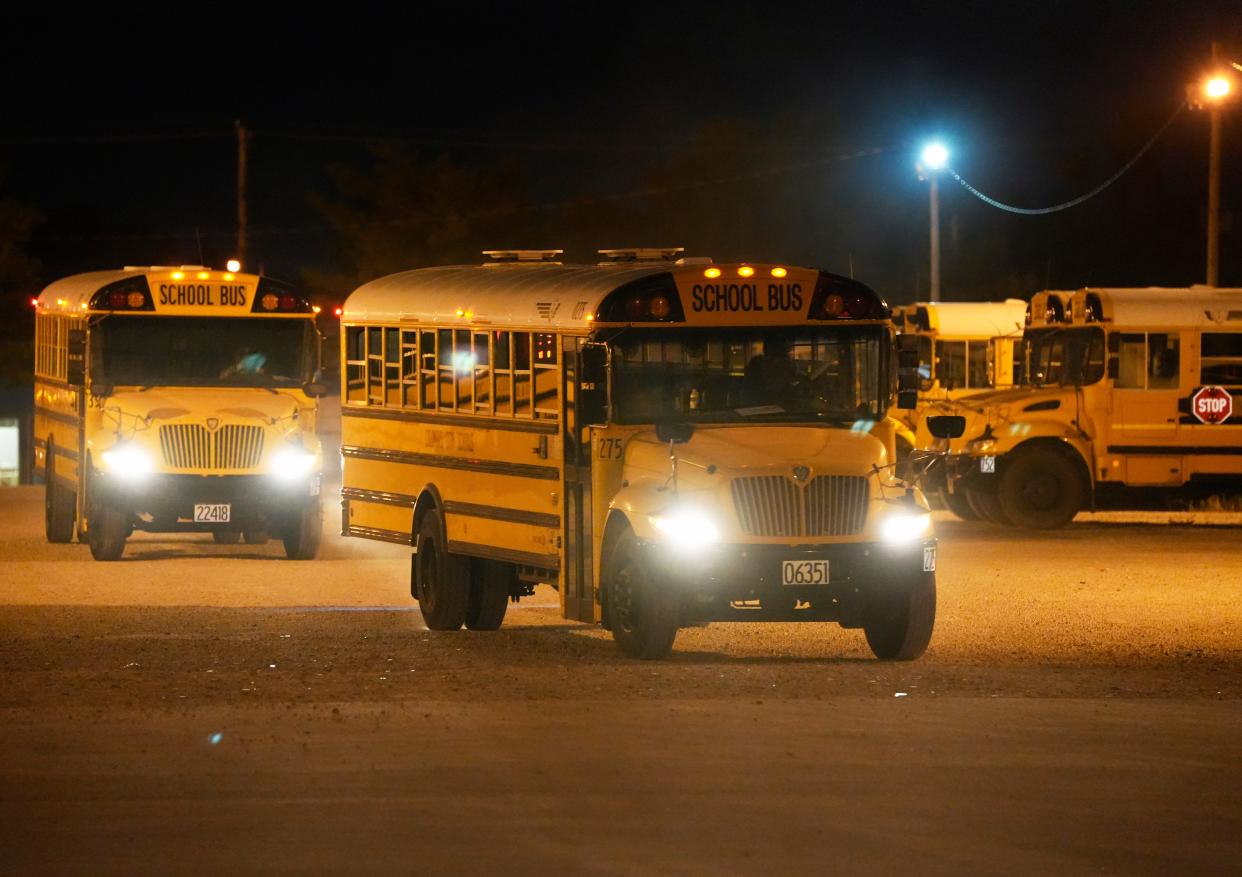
(737, 126)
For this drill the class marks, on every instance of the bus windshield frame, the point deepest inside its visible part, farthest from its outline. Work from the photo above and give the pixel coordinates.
(184, 351)
(837, 374)
(1065, 356)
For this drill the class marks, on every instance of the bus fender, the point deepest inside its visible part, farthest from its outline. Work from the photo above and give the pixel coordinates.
(428, 499)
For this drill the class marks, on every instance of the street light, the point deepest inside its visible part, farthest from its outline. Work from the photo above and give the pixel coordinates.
(934, 159)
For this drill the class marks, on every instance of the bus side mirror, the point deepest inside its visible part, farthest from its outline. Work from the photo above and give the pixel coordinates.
(907, 400)
(76, 373)
(676, 431)
(593, 385)
(315, 388)
(946, 426)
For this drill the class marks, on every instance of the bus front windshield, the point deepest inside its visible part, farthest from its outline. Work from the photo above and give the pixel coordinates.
(778, 375)
(203, 351)
(1064, 357)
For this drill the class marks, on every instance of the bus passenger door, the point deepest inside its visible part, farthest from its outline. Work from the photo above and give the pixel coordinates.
(578, 575)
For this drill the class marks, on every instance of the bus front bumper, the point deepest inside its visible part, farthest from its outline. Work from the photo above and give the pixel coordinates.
(166, 503)
(748, 582)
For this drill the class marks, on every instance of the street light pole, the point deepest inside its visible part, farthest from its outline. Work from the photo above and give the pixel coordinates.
(934, 190)
(1213, 229)
(934, 159)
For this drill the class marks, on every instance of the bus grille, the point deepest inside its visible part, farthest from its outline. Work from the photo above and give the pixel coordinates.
(773, 505)
(190, 446)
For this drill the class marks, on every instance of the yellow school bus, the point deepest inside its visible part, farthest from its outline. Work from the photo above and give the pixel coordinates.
(177, 400)
(1128, 403)
(666, 441)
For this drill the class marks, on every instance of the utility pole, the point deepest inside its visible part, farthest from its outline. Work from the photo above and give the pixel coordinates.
(1213, 229)
(242, 137)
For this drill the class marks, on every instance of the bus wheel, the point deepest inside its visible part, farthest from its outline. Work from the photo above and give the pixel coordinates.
(58, 503)
(898, 622)
(490, 584)
(987, 507)
(644, 614)
(440, 578)
(109, 528)
(1041, 489)
(303, 532)
(225, 537)
(958, 504)
(255, 537)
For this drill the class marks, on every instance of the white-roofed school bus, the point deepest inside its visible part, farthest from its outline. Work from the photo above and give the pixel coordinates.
(1127, 402)
(177, 399)
(666, 441)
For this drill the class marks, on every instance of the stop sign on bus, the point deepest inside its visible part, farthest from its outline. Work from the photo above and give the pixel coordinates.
(1212, 405)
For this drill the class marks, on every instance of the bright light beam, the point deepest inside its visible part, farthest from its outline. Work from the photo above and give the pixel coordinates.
(935, 157)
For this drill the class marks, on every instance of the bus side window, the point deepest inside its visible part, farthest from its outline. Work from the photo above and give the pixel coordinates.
(522, 403)
(1131, 362)
(375, 366)
(427, 369)
(355, 365)
(951, 364)
(979, 363)
(545, 375)
(409, 368)
(392, 367)
(444, 370)
(1221, 359)
(1163, 362)
(482, 373)
(502, 368)
(463, 369)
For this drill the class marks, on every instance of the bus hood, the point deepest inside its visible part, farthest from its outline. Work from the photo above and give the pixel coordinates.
(144, 408)
(730, 451)
(1012, 410)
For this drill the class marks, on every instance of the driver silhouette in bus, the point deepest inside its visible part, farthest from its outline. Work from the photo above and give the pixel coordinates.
(772, 377)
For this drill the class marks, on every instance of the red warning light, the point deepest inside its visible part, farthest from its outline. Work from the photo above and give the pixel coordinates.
(337, 311)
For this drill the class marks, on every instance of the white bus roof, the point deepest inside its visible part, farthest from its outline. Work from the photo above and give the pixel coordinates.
(975, 319)
(1194, 306)
(74, 293)
(518, 294)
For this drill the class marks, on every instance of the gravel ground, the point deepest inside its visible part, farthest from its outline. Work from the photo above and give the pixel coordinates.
(1078, 710)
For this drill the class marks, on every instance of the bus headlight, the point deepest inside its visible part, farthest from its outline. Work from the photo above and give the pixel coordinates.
(291, 463)
(902, 527)
(981, 446)
(686, 529)
(128, 460)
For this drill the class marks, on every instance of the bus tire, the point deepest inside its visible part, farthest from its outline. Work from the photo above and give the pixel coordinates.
(303, 532)
(490, 584)
(59, 503)
(898, 621)
(225, 537)
(1041, 489)
(109, 528)
(959, 504)
(441, 579)
(643, 611)
(987, 507)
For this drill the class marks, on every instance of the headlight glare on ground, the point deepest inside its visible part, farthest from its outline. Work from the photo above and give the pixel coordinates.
(685, 529)
(902, 527)
(128, 460)
(291, 463)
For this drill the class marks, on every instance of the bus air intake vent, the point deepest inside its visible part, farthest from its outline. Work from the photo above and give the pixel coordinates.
(190, 446)
(829, 505)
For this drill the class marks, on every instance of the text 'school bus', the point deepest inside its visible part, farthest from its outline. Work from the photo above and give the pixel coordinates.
(666, 442)
(1130, 401)
(177, 400)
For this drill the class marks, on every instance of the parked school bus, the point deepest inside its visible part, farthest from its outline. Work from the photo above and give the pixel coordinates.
(666, 442)
(177, 400)
(1128, 403)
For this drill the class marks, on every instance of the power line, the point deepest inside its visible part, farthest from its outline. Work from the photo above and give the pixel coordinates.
(1074, 202)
